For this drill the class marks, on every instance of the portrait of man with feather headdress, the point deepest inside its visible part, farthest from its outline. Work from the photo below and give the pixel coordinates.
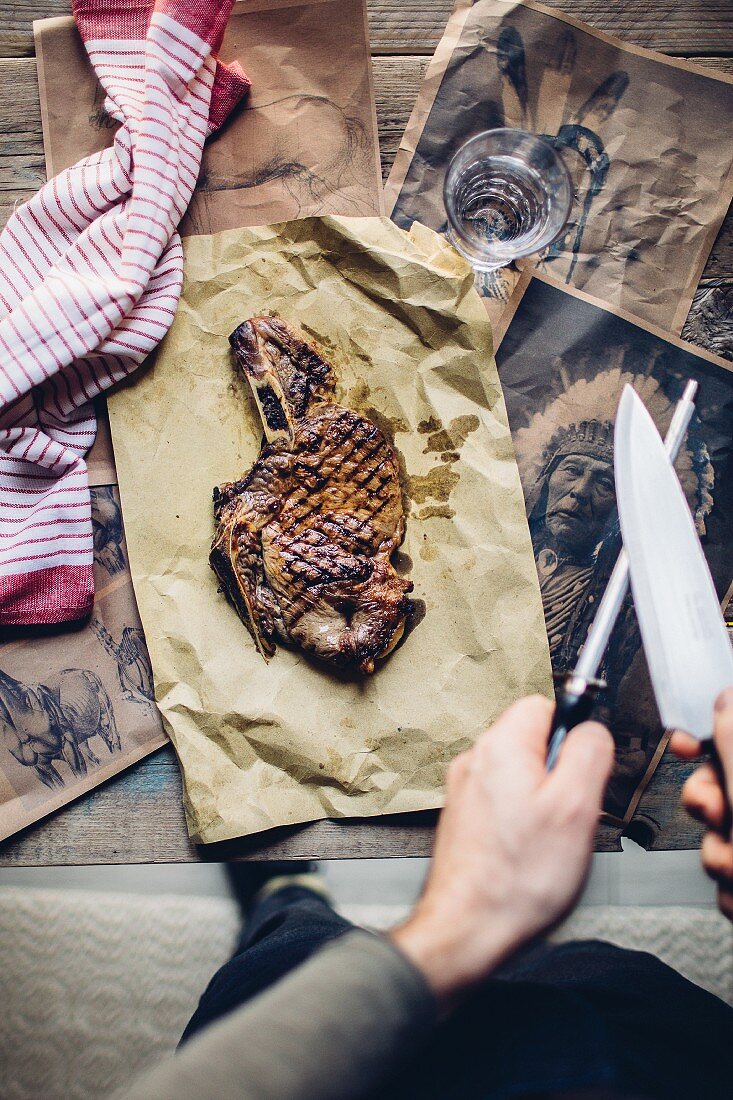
(574, 501)
(563, 364)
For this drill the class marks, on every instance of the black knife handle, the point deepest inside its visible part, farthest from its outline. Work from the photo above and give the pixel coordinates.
(710, 752)
(574, 703)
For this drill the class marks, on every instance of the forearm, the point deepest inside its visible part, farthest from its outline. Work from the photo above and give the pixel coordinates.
(326, 1032)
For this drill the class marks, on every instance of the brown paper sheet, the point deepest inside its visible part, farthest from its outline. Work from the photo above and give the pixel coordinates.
(263, 745)
(305, 142)
(648, 140)
(563, 361)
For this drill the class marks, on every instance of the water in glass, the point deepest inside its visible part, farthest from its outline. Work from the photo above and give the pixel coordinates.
(507, 194)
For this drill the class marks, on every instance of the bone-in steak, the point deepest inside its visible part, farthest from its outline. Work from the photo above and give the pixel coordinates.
(303, 541)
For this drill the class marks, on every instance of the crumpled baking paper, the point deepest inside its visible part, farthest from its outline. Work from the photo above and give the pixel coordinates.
(275, 744)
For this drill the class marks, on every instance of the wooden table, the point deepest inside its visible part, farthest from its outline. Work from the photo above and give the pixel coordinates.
(137, 817)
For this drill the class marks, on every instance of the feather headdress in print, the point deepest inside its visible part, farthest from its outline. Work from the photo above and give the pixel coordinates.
(580, 421)
(578, 137)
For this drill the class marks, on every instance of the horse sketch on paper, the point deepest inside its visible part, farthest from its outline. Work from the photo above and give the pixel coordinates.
(282, 166)
(344, 140)
(107, 529)
(46, 724)
(134, 670)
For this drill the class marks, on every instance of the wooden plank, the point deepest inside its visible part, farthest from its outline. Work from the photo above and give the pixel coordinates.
(407, 26)
(16, 25)
(21, 141)
(138, 818)
(22, 169)
(718, 64)
(415, 26)
(681, 27)
(21, 174)
(660, 823)
(20, 111)
(720, 261)
(685, 26)
(397, 82)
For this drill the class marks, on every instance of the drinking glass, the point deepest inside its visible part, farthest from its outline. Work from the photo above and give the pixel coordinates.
(507, 194)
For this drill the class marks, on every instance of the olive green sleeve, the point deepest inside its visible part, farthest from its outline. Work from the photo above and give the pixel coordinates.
(327, 1031)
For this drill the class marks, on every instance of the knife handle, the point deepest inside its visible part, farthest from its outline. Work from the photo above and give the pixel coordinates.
(574, 705)
(711, 753)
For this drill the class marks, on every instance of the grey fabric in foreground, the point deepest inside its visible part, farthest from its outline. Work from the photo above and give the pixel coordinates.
(358, 985)
(96, 987)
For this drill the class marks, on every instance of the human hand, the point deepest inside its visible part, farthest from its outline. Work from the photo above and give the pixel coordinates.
(708, 797)
(512, 849)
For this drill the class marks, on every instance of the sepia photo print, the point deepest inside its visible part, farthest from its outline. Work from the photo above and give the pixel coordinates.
(563, 363)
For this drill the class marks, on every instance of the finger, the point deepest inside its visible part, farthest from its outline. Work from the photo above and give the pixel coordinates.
(725, 901)
(685, 745)
(584, 764)
(723, 736)
(717, 858)
(522, 732)
(704, 798)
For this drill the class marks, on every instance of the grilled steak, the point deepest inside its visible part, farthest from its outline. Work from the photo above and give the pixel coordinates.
(303, 541)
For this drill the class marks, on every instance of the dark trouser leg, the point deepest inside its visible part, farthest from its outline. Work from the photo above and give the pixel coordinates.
(555, 1019)
(667, 1038)
(283, 930)
(574, 1017)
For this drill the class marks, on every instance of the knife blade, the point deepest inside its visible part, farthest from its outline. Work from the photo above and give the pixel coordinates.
(686, 643)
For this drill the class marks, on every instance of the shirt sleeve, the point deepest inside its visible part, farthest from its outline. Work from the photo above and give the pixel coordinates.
(328, 1031)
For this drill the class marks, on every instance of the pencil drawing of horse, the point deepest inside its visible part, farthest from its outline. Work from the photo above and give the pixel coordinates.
(55, 721)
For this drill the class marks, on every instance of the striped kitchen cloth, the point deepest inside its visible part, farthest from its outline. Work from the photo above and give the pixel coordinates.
(90, 275)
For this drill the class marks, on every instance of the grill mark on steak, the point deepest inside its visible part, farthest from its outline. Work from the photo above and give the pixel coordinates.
(303, 541)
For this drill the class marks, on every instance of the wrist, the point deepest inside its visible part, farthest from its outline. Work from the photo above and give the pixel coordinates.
(451, 957)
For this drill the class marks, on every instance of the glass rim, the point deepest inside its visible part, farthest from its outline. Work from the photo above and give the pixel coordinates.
(457, 232)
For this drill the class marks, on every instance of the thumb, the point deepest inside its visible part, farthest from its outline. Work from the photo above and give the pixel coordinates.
(585, 763)
(723, 736)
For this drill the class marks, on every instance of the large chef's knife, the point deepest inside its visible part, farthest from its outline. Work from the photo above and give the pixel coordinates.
(579, 688)
(685, 638)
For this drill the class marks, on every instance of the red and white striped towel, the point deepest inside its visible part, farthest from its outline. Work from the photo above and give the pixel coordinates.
(90, 275)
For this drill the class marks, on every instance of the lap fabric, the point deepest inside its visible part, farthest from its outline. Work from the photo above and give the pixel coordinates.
(555, 1020)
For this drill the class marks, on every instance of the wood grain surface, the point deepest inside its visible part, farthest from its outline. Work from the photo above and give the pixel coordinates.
(415, 26)
(138, 816)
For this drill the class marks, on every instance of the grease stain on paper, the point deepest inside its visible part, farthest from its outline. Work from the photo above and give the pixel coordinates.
(430, 491)
(434, 488)
(436, 511)
(438, 484)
